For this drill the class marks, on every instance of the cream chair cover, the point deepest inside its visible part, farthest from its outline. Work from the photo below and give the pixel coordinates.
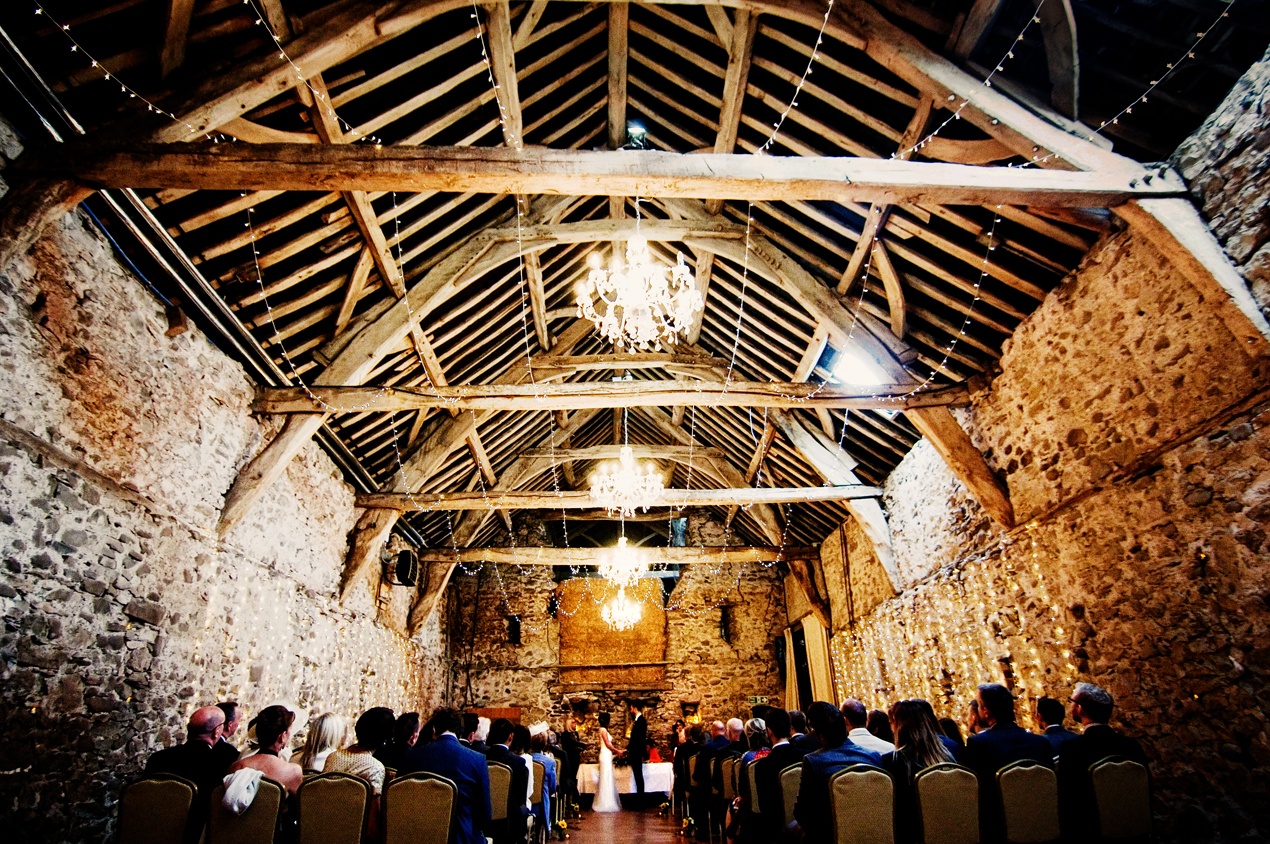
(257, 825)
(500, 786)
(948, 804)
(154, 810)
(332, 809)
(419, 809)
(862, 806)
(791, 779)
(1029, 800)
(1122, 790)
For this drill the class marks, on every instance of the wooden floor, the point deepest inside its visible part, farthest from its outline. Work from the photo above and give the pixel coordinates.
(645, 827)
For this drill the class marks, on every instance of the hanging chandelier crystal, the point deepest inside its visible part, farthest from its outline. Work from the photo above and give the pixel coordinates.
(621, 613)
(644, 302)
(625, 488)
(623, 565)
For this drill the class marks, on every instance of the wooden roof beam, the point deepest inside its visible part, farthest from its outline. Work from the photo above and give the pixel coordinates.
(503, 60)
(756, 462)
(581, 556)
(647, 173)
(574, 395)
(482, 502)
(176, 31)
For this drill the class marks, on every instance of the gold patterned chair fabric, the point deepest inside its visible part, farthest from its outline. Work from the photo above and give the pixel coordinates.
(948, 804)
(791, 779)
(1122, 792)
(862, 806)
(727, 766)
(1029, 802)
(500, 786)
(257, 825)
(154, 810)
(752, 785)
(535, 791)
(420, 809)
(332, 809)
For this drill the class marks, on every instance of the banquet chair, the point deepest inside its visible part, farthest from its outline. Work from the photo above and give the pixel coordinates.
(155, 809)
(752, 785)
(539, 772)
(500, 786)
(727, 767)
(332, 809)
(419, 808)
(1122, 795)
(947, 804)
(257, 825)
(1029, 802)
(791, 779)
(862, 805)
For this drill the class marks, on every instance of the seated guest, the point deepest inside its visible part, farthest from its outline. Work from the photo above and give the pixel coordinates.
(1049, 717)
(471, 721)
(880, 726)
(1091, 707)
(538, 753)
(798, 732)
(512, 830)
(197, 761)
(685, 750)
(405, 734)
(949, 728)
(373, 730)
(999, 742)
(654, 755)
(756, 740)
(572, 748)
(918, 746)
(233, 717)
(701, 793)
(973, 722)
(857, 718)
(327, 734)
(520, 746)
(953, 747)
(767, 772)
(273, 732)
(465, 767)
(811, 810)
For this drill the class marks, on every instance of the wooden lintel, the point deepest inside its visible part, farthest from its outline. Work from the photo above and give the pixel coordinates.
(600, 394)
(349, 167)
(642, 360)
(578, 556)
(176, 30)
(803, 570)
(612, 452)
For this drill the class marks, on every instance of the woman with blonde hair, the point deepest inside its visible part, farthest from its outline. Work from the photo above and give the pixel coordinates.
(917, 746)
(327, 733)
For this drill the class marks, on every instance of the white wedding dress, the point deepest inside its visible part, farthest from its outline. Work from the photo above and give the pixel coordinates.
(606, 790)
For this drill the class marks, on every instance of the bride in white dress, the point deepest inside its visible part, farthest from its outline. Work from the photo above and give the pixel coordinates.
(606, 790)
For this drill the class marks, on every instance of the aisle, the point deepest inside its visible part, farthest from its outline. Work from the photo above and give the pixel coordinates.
(645, 827)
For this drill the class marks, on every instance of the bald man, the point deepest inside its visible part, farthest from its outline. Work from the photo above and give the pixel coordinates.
(197, 761)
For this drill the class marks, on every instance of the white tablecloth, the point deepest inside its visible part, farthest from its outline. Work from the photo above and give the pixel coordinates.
(658, 777)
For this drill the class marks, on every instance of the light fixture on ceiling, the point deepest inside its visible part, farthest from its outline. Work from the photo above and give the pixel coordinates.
(641, 302)
(625, 488)
(621, 613)
(623, 565)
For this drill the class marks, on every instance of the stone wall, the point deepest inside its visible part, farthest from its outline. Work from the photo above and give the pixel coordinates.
(121, 609)
(1226, 163)
(1132, 431)
(701, 667)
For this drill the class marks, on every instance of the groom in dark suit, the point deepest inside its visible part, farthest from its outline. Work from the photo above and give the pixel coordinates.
(637, 750)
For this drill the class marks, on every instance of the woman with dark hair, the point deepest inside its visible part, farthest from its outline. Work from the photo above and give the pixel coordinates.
(273, 731)
(606, 791)
(950, 729)
(879, 725)
(373, 730)
(917, 746)
(405, 735)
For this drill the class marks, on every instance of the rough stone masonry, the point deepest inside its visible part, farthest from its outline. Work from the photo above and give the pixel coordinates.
(121, 609)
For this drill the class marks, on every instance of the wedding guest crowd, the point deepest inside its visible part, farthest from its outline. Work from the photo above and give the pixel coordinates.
(905, 740)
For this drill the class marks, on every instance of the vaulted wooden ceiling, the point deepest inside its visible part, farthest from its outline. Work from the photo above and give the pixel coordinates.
(302, 270)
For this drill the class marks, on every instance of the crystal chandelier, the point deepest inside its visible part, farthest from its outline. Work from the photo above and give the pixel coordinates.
(643, 302)
(622, 565)
(625, 487)
(621, 613)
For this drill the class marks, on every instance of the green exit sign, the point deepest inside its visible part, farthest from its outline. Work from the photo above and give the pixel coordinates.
(756, 700)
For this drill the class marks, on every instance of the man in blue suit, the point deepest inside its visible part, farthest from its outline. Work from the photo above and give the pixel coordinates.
(465, 767)
(811, 809)
(992, 748)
